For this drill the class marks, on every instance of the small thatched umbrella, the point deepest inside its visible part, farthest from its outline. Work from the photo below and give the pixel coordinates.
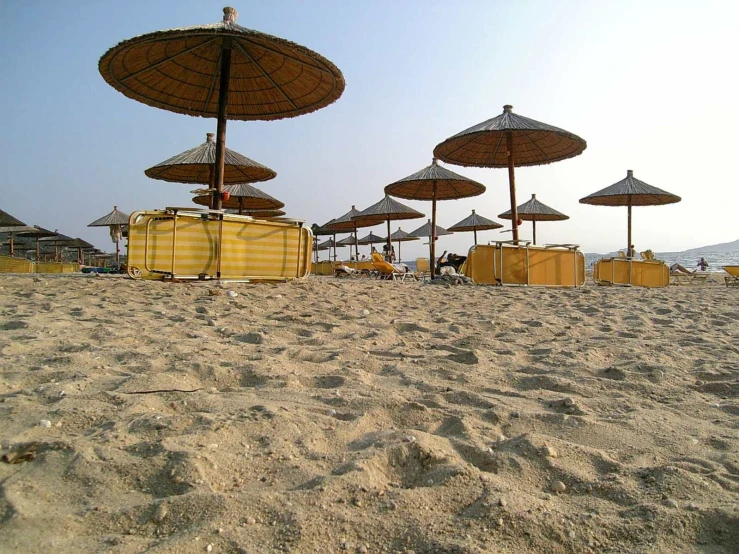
(243, 197)
(401, 236)
(329, 244)
(11, 232)
(630, 192)
(80, 245)
(425, 231)
(371, 238)
(475, 223)
(57, 240)
(510, 140)
(434, 183)
(350, 241)
(7, 220)
(388, 210)
(38, 233)
(346, 223)
(534, 211)
(197, 165)
(115, 221)
(193, 70)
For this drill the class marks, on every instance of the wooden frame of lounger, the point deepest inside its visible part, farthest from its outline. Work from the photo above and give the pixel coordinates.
(697, 278)
(657, 271)
(732, 279)
(293, 238)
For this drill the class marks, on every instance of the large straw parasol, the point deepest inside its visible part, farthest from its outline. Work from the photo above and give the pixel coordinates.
(401, 236)
(534, 211)
(425, 231)
(347, 223)
(475, 223)
(115, 220)
(434, 183)
(389, 210)
(7, 220)
(630, 192)
(197, 165)
(510, 140)
(38, 233)
(259, 214)
(11, 231)
(243, 197)
(193, 70)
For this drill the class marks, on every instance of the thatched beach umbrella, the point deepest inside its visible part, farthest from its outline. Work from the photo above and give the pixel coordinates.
(346, 223)
(434, 183)
(510, 140)
(534, 211)
(243, 197)
(11, 232)
(57, 240)
(388, 210)
(197, 165)
(259, 214)
(371, 238)
(329, 244)
(115, 221)
(425, 231)
(38, 233)
(630, 192)
(401, 236)
(80, 245)
(475, 223)
(225, 71)
(7, 220)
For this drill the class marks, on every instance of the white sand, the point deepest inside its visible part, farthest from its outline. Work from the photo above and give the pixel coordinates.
(438, 423)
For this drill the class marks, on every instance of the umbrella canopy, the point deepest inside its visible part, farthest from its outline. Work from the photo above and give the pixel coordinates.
(534, 211)
(630, 192)
(113, 218)
(11, 231)
(197, 166)
(222, 70)
(401, 236)
(475, 223)
(244, 197)
(389, 210)
(425, 231)
(346, 223)
(7, 220)
(434, 183)
(510, 140)
(259, 213)
(371, 239)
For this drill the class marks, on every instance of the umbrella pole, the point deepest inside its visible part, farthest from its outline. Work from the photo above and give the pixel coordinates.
(334, 247)
(10, 239)
(512, 185)
(241, 205)
(222, 115)
(399, 258)
(475, 232)
(356, 244)
(389, 242)
(37, 249)
(432, 246)
(629, 253)
(117, 252)
(212, 185)
(533, 224)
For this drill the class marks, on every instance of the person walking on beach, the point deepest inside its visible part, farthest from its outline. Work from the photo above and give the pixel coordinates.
(702, 264)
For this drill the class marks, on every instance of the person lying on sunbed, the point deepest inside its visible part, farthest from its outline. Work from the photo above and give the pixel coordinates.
(343, 269)
(678, 269)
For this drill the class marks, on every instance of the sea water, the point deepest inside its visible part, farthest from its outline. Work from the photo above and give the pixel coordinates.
(687, 260)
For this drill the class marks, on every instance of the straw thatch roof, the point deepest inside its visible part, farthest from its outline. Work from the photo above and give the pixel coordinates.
(7, 220)
(251, 198)
(475, 222)
(347, 223)
(179, 70)
(630, 190)
(38, 232)
(259, 213)
(321, 230)
(330, 244)
(401, 236)
(371, 239)
(196, 166)
(58, 238)
(347, 241)
(533, 210)
(16, 229)
(388, 209)
(448, 185)
(113, 218)
(534, 143)
(425, 231)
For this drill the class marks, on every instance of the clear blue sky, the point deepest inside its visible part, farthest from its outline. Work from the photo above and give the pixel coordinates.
(651, 85)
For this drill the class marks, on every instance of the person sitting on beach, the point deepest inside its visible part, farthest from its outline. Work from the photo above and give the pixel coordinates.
(677, 268)
(364, 257)
(702, 264)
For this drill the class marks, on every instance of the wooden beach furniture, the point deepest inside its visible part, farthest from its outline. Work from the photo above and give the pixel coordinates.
(10, 264)
(732, 279)
(386, 270)
(191, 243)
(630, 272)
(56, 267)
(423, 268)
(506, 263)
(322, 268)
(689, 279)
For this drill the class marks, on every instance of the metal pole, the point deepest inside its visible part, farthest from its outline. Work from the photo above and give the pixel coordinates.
(334, 247)
(432, 246)
(356, 243)
(512, 185)
(475, 232)
(222, 117)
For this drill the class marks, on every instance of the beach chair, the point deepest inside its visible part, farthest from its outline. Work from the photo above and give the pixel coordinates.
(10, 264)
(732, 279)
(689, 279)
(423, 268)
(647, 255)
(386, 270)
(622, 255)
(628, 272)
(191, 243)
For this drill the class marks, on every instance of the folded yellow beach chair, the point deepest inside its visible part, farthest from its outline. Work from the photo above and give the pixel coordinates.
(10, 264)
(389, 271)
(506, 263)
(631, 273)
(423, 268)
(191, 243)
(732, 279)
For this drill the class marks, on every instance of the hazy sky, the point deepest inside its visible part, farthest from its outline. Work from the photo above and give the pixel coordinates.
(651, 86)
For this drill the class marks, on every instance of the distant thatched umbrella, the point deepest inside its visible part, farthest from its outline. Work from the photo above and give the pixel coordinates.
(243, 197)
(434, 183)
(346, 223)
(388, 210)
(534, 211)
(189, 71)
(401, 236)
(371, 238)
(7, 220)
(115, 221)
(630, 192)
(58, 240)
(80, 245)
(510, 140)
(475, 223)
(11, 232)
(329, 244)
(38, 233)
(425, 231)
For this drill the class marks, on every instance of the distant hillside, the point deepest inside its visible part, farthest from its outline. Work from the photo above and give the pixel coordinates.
(723, 247)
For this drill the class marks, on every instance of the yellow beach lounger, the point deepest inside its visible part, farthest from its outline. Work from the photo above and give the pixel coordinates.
(505, 263)
(322, 268)
(56, 267)
(423, 268)
(389, 271)
(630, 272)
(188, 243)
(697, 278)
(732, 279)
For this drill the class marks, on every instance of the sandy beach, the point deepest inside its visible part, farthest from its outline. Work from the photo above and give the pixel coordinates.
(330, 415)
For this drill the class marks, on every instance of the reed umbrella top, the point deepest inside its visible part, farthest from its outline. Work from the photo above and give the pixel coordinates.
(630, 191)
(401, 236)
(179, 70)
(58, 239)
(79, 243)
(425, 231)
(534, 143)
(449, 185)
(259, 213)
(253, 198)
(319, 230)
(7, 220)
(346, 241)
(475, 222)
(16, 229)
(329, 243)
(347, 223)
(38, 232)
(372, 239)
(113, 218)
(388, 209)
(533, 210)
(195, 166)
